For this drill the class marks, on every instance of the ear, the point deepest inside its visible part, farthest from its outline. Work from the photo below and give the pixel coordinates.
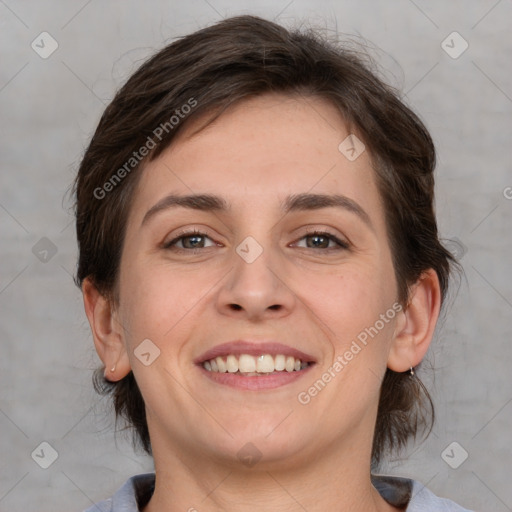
(107, 332)
(416, 324)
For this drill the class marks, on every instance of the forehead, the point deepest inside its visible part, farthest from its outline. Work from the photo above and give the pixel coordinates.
(268, 127)
(261, 150)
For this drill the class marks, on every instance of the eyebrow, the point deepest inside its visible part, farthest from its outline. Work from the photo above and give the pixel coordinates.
(293, 203)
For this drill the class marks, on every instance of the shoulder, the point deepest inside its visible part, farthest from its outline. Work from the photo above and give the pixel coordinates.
(404, 492)
(134, 493)
(424, 500)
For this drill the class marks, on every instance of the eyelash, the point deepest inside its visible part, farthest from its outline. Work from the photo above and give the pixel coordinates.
(342, 245)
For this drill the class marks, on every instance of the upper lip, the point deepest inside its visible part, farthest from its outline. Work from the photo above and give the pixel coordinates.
(253, 348)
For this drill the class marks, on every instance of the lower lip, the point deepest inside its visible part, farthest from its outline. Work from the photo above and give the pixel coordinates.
(238, 381)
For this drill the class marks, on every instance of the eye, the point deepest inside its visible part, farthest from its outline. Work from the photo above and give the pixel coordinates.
(192, 240)
(189, 241)
(322, 239)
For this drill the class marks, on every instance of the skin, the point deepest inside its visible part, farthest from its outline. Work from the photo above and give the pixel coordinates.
(315, 456)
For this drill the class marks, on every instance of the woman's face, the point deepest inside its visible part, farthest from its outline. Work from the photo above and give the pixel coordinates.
(254, 272)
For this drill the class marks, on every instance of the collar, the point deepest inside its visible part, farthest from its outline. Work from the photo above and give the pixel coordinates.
(137, 491)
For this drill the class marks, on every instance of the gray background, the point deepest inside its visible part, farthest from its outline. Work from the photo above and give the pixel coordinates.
(49, 108)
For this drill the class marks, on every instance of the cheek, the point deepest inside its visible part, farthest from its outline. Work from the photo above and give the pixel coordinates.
(155, 301)
(355, 305)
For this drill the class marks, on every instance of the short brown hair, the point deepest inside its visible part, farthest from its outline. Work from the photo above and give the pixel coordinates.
(218, 66)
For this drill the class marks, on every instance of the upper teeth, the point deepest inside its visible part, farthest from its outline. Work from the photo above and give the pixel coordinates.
(246, 363)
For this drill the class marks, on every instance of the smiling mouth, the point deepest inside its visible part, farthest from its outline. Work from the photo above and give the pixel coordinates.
(255, 366)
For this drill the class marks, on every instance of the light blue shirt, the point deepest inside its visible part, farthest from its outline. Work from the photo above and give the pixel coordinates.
(397, 491)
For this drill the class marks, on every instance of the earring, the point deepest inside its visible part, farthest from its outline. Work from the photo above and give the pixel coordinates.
(412, 371)
(113, 369)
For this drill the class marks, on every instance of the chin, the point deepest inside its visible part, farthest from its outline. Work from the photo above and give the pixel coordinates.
(264, 447)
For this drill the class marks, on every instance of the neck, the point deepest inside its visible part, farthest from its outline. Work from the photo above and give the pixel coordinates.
(327, 481)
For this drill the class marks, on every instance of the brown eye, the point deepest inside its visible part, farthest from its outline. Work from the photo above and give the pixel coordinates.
(319, 241)
(322, 239)
(189, 241)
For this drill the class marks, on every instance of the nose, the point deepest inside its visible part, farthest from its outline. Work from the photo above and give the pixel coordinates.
(258, 288)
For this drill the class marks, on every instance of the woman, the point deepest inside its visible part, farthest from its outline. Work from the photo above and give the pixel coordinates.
(261, 271)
